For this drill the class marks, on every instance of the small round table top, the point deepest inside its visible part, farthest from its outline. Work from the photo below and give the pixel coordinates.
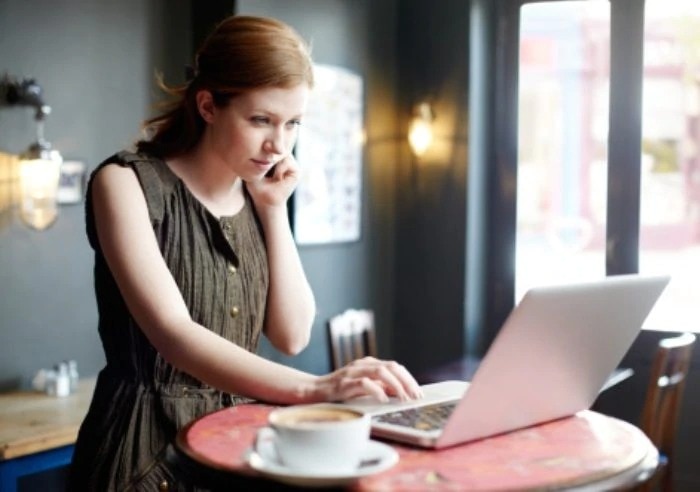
(567, 453)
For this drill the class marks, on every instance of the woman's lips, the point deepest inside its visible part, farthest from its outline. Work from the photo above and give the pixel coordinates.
(264, 164)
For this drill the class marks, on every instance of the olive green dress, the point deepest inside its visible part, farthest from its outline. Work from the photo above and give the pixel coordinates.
(141, 401)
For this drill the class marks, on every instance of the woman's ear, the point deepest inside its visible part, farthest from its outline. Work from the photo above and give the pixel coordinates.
(205, 105)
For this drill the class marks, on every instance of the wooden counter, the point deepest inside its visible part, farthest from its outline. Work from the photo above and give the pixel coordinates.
(31, 422)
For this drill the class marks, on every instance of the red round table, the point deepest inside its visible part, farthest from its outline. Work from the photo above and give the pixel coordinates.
(588, 451)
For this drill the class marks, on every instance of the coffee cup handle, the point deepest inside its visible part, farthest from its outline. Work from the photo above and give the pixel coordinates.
(265, 443)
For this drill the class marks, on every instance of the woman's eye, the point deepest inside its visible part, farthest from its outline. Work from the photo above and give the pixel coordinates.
(260, 120)
(295, 122)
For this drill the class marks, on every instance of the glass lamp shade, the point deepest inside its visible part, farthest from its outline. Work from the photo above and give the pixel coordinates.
(39, 173)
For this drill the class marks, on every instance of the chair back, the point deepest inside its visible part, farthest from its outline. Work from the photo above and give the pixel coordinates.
(351, 336)
(661, 411)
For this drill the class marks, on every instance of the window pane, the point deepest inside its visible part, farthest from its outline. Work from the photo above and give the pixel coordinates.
(562, 143)
(670, 192)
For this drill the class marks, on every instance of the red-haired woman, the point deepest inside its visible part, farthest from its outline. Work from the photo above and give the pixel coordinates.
(194, 260)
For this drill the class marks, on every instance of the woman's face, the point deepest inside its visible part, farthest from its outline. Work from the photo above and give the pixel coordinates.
(257, 129)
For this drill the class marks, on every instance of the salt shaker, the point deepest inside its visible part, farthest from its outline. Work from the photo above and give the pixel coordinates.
(62, 380)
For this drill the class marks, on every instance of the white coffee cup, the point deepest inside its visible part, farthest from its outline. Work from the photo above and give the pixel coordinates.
(317, 439)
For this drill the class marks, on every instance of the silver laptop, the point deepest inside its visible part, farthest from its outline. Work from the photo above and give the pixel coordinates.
(550, 359)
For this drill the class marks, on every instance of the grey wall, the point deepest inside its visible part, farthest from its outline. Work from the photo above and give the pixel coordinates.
(97, 74)
(95, 61)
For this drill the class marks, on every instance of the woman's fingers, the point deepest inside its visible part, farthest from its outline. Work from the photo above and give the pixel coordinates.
(399, 382)
(275, 190)
(387, 379)
(376, 378)
(410, 385)
(286, 169)
(361, 386)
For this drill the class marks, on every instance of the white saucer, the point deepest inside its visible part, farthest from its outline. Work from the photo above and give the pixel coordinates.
(376, 458)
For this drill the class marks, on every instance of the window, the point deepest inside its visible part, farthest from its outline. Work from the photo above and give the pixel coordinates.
(670, 165)
(562, 142)
(606, 149)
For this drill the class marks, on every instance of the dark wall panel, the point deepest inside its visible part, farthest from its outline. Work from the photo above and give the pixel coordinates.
(433, 50)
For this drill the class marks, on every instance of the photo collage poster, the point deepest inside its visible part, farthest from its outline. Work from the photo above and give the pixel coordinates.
(327, 201)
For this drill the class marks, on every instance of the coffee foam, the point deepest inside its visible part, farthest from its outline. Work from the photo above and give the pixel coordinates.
(312, 416)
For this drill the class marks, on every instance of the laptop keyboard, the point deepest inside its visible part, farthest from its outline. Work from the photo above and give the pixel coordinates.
(429, 417)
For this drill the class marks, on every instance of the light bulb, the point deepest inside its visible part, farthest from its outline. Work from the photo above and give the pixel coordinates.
(420, 133)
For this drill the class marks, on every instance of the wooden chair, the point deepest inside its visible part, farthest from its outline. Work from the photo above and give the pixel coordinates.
(351, 336)
(660, 414)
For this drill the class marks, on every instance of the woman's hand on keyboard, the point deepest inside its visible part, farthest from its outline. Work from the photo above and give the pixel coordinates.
(369, 376)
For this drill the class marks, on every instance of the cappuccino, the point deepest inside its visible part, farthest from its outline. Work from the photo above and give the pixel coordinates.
(321, 438)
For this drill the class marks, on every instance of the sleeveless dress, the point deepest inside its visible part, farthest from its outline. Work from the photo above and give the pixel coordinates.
(140, 400)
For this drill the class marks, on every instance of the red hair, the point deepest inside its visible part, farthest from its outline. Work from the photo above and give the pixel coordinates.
(241, 54)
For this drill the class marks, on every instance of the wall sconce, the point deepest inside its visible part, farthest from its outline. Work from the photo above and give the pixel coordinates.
(420, 132)
(39, 165)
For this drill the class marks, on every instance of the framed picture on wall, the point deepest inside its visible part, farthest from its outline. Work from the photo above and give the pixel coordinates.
(326, 206)
(71, 184)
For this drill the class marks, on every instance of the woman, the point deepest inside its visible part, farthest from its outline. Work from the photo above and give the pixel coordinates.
(194, 259)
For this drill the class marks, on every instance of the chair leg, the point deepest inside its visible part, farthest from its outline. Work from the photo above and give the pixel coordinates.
(666, 480)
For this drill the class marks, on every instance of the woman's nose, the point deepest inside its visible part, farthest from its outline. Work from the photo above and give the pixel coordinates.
(276, 142)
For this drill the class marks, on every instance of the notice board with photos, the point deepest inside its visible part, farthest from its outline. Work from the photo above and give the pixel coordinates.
(326, 206)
